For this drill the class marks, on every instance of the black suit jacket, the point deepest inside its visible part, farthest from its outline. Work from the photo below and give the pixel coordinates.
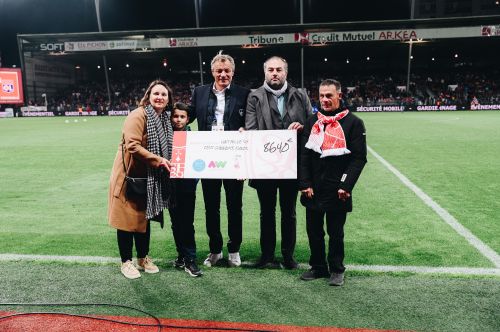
(234, 113)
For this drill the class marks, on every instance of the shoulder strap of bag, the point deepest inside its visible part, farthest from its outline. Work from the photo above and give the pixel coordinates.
(123, 155)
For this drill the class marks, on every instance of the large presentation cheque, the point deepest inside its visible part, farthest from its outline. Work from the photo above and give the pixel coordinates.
(253, 154)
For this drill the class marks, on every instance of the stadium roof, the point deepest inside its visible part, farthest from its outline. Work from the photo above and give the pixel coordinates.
(255, 29)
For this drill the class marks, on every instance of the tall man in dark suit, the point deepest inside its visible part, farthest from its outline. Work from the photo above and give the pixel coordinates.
(277, 105)
(333, 154)
(221, 106)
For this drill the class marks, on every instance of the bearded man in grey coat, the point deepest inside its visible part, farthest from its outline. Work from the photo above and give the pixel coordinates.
(277, 105)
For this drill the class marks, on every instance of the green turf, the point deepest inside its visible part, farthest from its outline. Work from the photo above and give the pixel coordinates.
(53, 201)
(419, 303)
(453, 157)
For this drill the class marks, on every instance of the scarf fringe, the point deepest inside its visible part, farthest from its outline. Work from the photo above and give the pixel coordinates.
(335, 152)
(315, 147)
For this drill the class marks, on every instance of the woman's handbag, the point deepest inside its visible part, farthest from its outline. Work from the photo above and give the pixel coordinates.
(136, 187)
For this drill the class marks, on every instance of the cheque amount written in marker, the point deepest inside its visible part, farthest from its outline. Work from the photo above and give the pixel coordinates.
(278, 147)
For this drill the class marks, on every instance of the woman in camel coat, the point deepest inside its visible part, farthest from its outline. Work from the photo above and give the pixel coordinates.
(144, 152)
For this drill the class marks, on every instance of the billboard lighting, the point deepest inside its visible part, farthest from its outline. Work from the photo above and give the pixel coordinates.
(416, 41)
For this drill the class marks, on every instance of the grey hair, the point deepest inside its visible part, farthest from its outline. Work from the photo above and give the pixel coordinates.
(276, 58)
(222, 58)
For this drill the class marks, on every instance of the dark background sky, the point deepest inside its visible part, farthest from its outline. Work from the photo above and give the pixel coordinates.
(64, 16)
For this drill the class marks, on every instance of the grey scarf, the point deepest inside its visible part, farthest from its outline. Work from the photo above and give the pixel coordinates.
(276, 93)
(160, 188)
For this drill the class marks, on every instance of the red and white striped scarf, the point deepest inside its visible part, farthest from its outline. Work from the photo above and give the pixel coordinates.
(328, 140)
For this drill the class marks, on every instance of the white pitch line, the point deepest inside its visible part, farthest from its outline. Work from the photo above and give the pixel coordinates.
(482, 247)
(427, 269)
(370, 268)
(50, 258)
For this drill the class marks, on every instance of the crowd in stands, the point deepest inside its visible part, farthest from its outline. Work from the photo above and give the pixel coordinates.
(125, 95)
(373, 90)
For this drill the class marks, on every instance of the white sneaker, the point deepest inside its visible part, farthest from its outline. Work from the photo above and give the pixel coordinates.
(129, 270)
(234, 259)
(146, 264)
(212, 259)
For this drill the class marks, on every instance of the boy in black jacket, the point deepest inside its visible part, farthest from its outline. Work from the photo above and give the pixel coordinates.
(182, 215)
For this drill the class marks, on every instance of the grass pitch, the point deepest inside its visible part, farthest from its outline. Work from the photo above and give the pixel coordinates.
(53, 201)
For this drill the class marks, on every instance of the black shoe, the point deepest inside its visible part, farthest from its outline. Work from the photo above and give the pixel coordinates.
(314, 274)
(290, 263)
(179, 262)
(192, 269)
(336, 279)
(266, 263)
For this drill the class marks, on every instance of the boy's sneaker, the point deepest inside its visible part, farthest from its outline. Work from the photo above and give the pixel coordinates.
(234, 259)
(314, 274)
(129, 270)
(179, 262)
(212, 259)
(146, 264)
(192, 269)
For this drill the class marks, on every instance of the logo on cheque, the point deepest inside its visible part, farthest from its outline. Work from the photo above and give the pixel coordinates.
(199, 164)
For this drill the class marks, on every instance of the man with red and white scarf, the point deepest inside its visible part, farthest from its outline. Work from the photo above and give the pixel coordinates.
(333, 154)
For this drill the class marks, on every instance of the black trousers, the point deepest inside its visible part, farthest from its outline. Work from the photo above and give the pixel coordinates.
(335, 221)
(126, 242)
(234, 196)
(182, 217)
(267, 193)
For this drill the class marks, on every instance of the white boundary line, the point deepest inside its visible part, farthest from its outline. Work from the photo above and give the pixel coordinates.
(370, 268)
(482, 247)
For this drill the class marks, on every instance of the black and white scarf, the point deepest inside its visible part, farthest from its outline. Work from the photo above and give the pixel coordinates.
(160, 188)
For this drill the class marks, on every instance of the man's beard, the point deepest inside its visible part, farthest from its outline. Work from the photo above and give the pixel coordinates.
(275, 86)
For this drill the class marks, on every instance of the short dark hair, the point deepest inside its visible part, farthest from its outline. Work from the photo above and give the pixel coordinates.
(331, 81)
(181, 106)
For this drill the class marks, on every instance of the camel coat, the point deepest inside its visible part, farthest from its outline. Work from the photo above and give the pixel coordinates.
(123, 214)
